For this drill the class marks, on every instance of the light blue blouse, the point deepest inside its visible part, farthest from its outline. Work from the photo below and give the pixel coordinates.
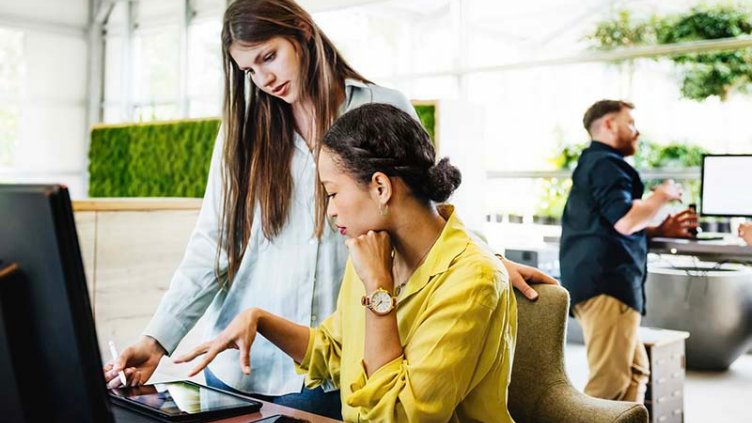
(294, 275)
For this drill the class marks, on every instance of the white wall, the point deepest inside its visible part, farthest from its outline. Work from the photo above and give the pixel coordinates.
(52, 97)
(58, 12)
(460, 136)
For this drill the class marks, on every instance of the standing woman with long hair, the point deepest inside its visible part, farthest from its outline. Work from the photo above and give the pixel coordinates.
(261, 238)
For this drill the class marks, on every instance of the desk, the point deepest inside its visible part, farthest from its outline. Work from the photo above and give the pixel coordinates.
(124, 415)
(712, 301)
(728, 249)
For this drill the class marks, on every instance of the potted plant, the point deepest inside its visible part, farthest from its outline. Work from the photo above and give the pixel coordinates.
(552, 202)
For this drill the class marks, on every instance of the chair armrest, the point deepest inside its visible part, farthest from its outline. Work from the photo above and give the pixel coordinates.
(563, 404)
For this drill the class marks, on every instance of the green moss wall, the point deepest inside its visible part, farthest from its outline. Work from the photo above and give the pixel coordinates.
(165, 159)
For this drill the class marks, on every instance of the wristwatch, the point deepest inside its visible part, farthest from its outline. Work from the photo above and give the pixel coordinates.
(379, 301)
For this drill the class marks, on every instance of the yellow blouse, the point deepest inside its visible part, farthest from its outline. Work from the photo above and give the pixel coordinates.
(457, 320)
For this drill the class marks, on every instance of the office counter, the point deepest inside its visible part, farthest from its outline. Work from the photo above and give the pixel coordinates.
(729, 249)
(704, 288)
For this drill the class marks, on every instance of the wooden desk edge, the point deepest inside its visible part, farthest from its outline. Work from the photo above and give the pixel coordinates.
(137, 204)
(269, 409)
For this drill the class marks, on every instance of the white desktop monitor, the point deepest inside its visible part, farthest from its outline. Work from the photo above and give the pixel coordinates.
(726, 185)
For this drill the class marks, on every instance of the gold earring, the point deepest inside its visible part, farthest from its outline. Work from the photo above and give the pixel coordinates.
(384, 209)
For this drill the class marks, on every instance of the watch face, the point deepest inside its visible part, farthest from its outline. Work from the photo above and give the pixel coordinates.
(381, 302)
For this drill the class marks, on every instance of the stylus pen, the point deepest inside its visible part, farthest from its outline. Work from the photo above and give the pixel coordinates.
(114, 353)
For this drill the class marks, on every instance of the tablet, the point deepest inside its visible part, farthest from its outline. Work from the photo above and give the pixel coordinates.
(183, 401)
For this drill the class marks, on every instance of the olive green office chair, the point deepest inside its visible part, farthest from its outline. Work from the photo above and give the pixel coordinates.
(540, 391)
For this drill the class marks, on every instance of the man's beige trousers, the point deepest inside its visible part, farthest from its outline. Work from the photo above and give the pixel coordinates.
(618, 362)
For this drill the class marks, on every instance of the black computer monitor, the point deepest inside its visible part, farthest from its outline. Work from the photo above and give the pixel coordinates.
(48, 342)
(725, 189)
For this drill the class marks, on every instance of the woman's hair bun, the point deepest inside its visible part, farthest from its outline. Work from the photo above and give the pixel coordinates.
(382, 138)
(443, 179)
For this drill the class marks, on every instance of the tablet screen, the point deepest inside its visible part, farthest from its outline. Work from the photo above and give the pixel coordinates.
(181, 398)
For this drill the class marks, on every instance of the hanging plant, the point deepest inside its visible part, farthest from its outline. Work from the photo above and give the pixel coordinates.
(623, 31)
(703, 75)
(717, 73)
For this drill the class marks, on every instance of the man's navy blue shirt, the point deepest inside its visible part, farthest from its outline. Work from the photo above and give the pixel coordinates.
(595, 258)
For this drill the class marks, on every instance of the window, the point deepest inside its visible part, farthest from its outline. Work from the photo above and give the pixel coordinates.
(517, 79)
(156, 62)
(204, 67)
(146, 76)
(11, 65)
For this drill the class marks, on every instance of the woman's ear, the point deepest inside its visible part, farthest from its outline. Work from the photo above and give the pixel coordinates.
(306, 29)
(381, 188)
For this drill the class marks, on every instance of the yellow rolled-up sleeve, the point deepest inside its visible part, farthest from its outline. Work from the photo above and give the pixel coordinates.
(388, 380)
(457, 341)
(323, 356)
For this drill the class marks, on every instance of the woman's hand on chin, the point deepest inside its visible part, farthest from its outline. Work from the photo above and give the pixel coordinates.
(239, 334)
(371, 255)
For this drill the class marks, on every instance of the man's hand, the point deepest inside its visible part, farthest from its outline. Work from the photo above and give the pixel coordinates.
(520, 275)
(679, 225)
(669, 190)
(745, 233)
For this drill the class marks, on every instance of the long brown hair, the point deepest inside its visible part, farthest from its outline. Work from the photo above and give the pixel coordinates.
(259, 128)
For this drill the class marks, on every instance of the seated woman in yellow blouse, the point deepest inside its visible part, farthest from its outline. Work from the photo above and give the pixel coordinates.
(426, 320)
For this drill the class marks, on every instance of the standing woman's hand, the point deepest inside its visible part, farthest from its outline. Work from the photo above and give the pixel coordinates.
(371, 256)
(521, 276)
(239, 334)
(138, 362)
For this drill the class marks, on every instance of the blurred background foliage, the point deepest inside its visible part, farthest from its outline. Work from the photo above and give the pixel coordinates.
(703, 75)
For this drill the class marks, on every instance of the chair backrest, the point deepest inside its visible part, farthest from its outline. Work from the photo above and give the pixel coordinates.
(540, 391)
(539, 354)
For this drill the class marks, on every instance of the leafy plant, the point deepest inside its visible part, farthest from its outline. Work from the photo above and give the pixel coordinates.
(554, 197)
(715, 73)
(623, 31)
(705, 23)
(554, 191)
(568, 156)
(703, 75)
(680, 154)
(647, 155)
